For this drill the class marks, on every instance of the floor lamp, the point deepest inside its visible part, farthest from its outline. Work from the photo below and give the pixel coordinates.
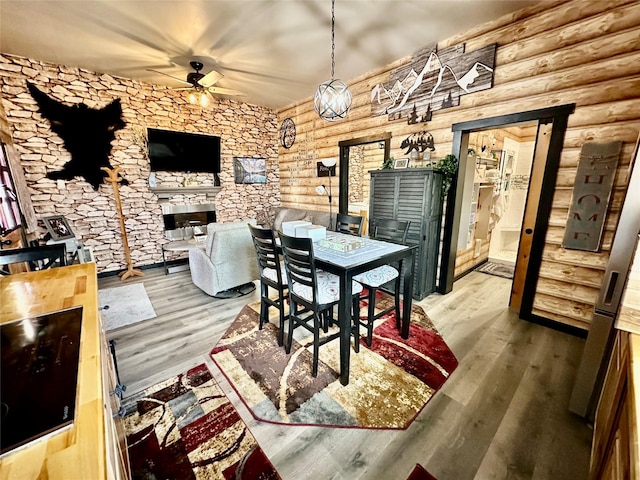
(322, 190)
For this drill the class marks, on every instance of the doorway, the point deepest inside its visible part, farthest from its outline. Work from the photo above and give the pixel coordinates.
(550, 125)
(494, 198)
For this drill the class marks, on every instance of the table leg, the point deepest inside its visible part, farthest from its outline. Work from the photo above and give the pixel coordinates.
(344, 320)
(407, 296)
(164, 262)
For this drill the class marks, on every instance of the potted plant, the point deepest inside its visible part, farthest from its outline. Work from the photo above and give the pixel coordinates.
(448, 166)
(387, 164)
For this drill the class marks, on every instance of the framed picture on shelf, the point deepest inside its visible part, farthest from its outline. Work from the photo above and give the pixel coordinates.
(58, 227)
(401, 163)
(250, 170)
(85, 255)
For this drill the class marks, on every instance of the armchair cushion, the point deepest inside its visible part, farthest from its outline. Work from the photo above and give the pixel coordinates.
(228, 260)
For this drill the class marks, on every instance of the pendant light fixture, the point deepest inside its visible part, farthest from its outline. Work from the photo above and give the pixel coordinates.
(333, 98)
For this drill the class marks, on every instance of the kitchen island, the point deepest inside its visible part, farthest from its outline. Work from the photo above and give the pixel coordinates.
(94, 446)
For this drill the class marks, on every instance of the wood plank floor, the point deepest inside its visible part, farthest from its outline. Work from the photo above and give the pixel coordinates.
(502, 414)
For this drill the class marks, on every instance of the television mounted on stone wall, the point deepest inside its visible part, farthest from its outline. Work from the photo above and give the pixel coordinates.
(173, 151)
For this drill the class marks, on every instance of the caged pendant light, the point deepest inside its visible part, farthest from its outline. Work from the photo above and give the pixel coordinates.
(333, 98)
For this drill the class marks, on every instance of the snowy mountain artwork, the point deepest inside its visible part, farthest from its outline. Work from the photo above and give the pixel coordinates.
(433, 80)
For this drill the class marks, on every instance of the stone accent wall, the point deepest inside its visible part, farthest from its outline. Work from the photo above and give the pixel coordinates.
(246, 130)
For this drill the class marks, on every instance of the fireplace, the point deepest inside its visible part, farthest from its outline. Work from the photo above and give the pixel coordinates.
(181, 222)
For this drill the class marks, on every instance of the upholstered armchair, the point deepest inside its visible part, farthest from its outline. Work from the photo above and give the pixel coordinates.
(228, 259)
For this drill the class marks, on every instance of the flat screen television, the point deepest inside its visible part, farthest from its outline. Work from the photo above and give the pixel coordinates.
(171, 151)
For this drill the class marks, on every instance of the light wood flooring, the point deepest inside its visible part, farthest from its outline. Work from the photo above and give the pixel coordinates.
(501, 415)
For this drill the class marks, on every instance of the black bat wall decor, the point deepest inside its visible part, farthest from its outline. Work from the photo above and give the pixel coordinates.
(87, 134)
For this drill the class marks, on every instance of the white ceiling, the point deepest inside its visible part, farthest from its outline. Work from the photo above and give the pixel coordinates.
(277, 52)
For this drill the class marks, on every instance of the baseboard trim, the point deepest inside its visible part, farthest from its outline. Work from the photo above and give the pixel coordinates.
(170, 264)
(562, 327)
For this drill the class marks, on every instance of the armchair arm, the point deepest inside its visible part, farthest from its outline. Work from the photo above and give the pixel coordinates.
(202, 271)
(230, 261)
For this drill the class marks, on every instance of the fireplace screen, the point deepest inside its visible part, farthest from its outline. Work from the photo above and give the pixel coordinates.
(184, 221)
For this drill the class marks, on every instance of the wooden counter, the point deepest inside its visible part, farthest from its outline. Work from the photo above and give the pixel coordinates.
(82, 451)
(616, 438)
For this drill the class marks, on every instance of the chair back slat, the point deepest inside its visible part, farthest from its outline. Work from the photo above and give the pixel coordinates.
(47, 254)
(264, 241)
(349, 224)
(300, 262)
(389, 230)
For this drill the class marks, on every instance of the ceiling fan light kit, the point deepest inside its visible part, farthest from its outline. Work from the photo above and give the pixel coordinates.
(333, 98)
(198, 98)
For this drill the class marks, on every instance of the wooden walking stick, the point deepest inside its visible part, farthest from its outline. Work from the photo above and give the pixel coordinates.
(115, 179)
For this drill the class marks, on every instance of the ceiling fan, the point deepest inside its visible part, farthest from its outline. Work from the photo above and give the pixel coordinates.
(202, 85)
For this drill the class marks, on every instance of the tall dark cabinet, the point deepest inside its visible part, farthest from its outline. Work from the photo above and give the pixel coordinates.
(412, 194)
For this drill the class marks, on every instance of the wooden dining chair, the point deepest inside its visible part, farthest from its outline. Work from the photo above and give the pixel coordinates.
(37, 258)
(272, 274)
(312, 294)
(387, 230)
(349, 224)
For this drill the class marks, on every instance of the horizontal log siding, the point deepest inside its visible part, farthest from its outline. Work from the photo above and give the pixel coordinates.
(583, 52)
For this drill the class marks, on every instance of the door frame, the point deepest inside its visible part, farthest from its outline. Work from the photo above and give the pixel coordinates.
(558, 117)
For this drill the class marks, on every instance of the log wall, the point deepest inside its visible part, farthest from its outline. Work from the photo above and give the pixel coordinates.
(558, 52)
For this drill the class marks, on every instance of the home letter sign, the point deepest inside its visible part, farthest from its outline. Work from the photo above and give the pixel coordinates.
(591, 195)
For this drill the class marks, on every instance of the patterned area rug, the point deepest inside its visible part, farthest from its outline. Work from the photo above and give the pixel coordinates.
(389, 384)
(419, 473)
(497, 269)
(185, 428)
(121, 306)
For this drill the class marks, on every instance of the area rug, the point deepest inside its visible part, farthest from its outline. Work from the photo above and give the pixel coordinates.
(497, 269)
(389, 383)
(120, 306)
(185, 428)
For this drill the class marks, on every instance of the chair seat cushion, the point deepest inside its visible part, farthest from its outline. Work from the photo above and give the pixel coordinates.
(377, 276)
(272, 275)
(328, 288)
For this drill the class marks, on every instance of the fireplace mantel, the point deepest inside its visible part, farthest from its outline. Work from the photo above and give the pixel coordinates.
(168, 192)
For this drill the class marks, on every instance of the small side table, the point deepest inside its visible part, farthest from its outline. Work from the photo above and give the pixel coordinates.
(180, 245)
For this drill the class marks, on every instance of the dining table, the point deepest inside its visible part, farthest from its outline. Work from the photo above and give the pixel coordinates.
(368, 254)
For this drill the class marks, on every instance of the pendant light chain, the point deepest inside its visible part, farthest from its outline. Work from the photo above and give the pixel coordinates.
(333, 37)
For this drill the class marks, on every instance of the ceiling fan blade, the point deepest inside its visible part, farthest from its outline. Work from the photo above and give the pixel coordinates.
(167, 75)
(225, 91)
(210, 78)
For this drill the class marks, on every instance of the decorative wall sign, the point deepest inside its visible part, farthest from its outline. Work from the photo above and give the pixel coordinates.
(250, 170)
(591, 195)
(307, 152)
(287, 133)
(419, 141)
(432, 81)
(87, 134)
(324, 171)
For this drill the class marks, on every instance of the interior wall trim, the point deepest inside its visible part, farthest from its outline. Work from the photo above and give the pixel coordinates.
(559, 117)
(343, 196)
